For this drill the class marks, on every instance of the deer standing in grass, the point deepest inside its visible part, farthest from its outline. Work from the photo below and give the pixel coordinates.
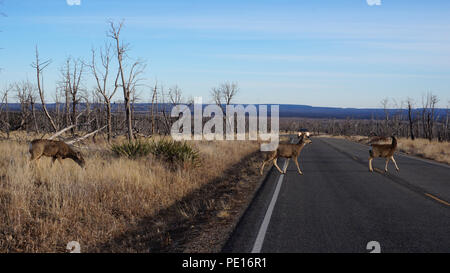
(55, 149)
(383, 150)
(287, 151)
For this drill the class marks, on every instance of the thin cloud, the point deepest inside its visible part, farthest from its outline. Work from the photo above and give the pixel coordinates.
(73, 2)
(374, 2)
(373, 59)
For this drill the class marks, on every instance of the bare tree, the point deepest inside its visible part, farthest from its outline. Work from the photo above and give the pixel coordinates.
(385, 104)
(26, 97)
(32, 98)
(431, 118)
(40, 66)
(165, 111)
(57, 98)
(72, 73)
(170, 99)
(101, 77)
(154, 101)
(397, 117)
(135, 98)
(411, 116)
(87, 112)
(429, 103)
(4, 106)
(130, 82)
(224, 94)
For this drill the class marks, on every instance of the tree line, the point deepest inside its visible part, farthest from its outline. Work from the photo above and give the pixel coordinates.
(84, 109)
(409, 118)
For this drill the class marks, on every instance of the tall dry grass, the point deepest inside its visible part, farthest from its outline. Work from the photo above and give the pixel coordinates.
(439, 151)
(44, 207)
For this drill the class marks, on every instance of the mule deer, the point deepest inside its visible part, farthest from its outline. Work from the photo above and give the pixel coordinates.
(287, 151)
(383, 150)
(55, 149)
(378, 139)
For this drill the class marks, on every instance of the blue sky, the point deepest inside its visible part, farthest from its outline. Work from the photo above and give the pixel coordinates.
(342, 53)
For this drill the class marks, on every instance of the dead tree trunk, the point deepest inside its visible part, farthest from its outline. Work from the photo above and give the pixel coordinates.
(71, 78)
(128, 84)
(411, 118)
(39, 68)
(153, 106)
(101, 78)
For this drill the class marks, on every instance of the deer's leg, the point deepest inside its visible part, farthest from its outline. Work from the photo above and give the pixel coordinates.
(276, 165)
(268, 158)
(287, 164)
(370, 164)
(263, 164)
(298, 167)
(262, 167)
(59, 160)
(34, 159)
(395, 163)
(386, 167)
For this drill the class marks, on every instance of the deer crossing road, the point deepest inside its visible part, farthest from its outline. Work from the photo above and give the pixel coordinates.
(337, 205)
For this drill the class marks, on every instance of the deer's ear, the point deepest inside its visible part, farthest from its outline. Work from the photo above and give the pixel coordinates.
(299, 134)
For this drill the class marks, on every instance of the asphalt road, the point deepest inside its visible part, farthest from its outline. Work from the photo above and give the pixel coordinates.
(339, 206)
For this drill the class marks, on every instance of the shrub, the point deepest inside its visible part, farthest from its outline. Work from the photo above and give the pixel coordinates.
(166, 149)
(175, 152)
(132, 149)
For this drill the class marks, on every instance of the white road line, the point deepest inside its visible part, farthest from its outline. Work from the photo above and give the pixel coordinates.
(265, 224)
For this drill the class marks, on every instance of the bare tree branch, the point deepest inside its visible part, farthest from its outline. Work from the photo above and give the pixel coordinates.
(137, 68)
(85, 136)
(40, 66)
(61, 131)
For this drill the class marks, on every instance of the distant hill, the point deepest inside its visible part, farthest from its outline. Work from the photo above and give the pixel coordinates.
(287, 110)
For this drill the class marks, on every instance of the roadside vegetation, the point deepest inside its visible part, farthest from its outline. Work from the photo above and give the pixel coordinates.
(439, 151)
(44, 207)
(175, 153)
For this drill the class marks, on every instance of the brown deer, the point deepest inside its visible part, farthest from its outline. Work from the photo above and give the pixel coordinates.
(55, 149)
(378, 139)
(383, 150)
(287, 151)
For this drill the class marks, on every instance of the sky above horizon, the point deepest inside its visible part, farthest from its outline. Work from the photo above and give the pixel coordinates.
(345, 53)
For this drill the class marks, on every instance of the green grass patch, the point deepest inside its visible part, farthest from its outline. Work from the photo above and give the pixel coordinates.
(174, 152)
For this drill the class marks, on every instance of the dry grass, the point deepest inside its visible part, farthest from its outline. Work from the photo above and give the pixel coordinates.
(435, 150)
(439, 151)
(44, 207)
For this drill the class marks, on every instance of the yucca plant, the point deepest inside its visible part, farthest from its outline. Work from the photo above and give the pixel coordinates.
(174, 152)
(132, 149)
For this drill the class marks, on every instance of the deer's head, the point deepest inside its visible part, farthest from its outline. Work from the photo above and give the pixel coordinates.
(304, 138)
(307, 140)
(79, 159)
